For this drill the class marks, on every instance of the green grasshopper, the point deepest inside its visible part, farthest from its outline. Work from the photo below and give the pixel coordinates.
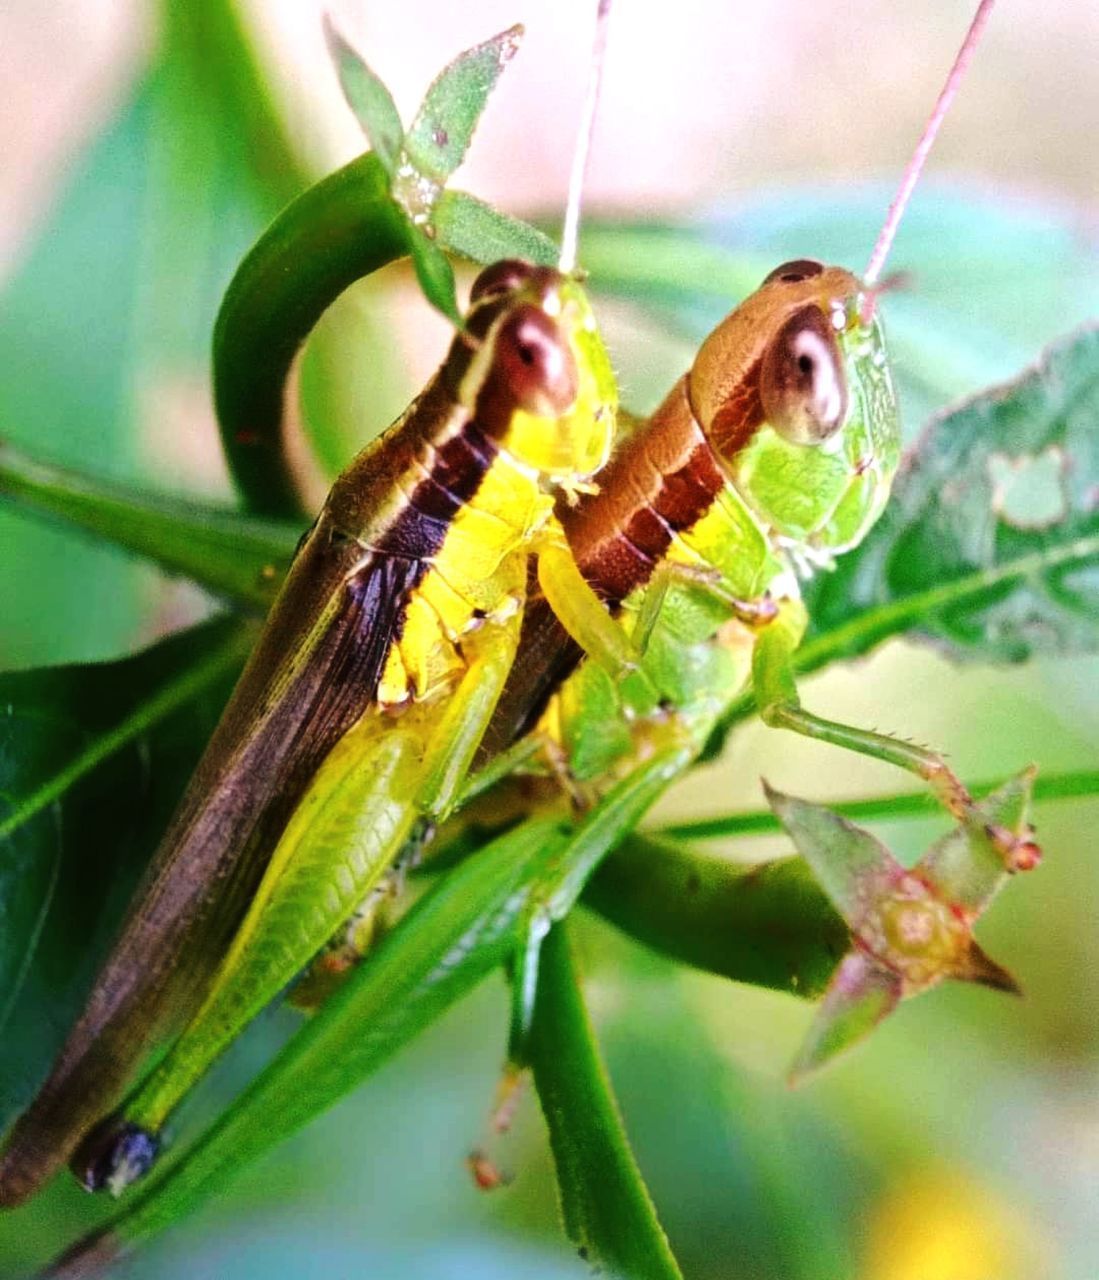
(357, 716)
(772, 455)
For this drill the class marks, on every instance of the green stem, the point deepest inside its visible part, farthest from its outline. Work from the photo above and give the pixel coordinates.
(341, 229)
(768, 924)
(606, 1206)
(908, 804)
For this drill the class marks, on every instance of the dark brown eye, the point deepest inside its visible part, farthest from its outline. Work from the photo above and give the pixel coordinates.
(501, 277)
(802, 383)
(798, 269)
(534, 362)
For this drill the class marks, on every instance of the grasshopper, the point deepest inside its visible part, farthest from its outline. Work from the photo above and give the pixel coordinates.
(357, 716)
(772, 455)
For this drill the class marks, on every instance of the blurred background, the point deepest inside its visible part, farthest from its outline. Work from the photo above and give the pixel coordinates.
(147, 145)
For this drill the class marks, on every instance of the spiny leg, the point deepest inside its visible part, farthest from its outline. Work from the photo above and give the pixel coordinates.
(780, 707)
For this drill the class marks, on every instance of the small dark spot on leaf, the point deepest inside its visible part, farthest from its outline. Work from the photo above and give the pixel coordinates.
(440, 137)
(694, 882)
(246, 438)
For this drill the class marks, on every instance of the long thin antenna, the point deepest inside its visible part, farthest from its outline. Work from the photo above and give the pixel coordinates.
(571, 232)
(927, 139)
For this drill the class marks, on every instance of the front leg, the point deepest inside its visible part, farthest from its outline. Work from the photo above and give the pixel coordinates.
(780, 707)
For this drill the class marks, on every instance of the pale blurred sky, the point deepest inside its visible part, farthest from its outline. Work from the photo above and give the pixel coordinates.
(700, 97)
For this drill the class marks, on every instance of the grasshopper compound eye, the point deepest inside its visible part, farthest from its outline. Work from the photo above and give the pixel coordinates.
(801, 383)
(796, 271)
(501, 277)
(535, 363)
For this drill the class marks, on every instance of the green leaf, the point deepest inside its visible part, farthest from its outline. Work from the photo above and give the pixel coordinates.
(72, 741)
(475, 230)
(440, 135)
(862, 993)
(964, 866)
(606, 1206)
(236, 556)
(849, 863)
(367, 97)
(990, 545)
(435, 274)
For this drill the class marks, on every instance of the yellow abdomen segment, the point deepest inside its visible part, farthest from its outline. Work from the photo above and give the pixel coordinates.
(480, 572)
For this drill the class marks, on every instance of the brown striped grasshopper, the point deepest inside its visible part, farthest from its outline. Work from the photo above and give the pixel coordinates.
(359, 712)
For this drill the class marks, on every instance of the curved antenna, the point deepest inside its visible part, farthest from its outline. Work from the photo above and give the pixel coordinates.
(571, 231)
(927, 139)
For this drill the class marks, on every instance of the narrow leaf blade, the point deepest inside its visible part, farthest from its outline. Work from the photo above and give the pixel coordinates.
(606, 1206)
(367, 97)
(236, 556)
(475, 230)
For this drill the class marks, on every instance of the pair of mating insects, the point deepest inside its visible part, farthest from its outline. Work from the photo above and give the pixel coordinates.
(642, 584)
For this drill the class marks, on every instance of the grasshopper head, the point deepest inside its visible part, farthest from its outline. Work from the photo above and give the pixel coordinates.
(794, 393)
(541, 381)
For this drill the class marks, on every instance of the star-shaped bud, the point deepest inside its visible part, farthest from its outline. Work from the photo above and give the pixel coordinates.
(910, 928)
(419, 161)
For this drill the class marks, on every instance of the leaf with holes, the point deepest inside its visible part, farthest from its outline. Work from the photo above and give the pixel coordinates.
(990, 545)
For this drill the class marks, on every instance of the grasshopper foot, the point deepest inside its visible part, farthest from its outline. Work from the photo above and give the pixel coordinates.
(114, 1156)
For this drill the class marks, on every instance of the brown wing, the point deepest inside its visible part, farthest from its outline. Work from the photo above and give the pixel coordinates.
(314, 671)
